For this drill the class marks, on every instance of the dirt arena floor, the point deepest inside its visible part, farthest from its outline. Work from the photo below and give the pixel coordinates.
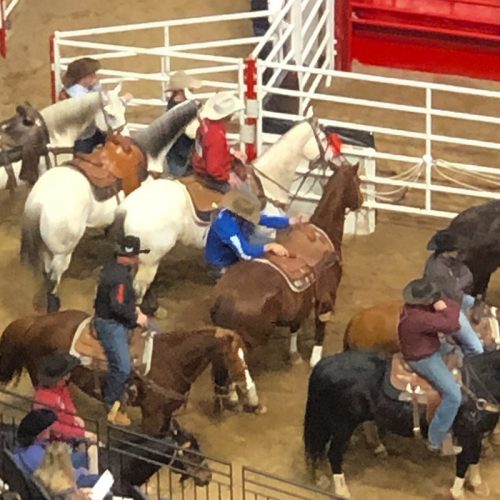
(375, 269)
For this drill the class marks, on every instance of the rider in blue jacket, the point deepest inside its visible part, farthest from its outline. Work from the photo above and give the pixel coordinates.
(228, 239)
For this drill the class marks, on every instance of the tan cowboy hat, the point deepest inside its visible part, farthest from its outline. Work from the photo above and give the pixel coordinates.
(78, 69)
(246, 205)
(421, 292)
(221, 105)
(180, 80)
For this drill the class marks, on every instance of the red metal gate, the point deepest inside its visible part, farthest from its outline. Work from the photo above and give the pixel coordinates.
(441, 36)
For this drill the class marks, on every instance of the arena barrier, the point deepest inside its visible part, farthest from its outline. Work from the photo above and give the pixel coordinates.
(6, 8)
(441, 36)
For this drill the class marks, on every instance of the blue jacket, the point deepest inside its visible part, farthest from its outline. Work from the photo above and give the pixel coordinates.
(228, 238)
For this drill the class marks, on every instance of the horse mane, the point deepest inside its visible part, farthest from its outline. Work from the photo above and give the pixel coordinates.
(161, 133)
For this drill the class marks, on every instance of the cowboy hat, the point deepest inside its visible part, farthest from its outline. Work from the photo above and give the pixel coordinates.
(55, 366)
(33, 424)
(78, 69)
(245, 205)
(130, 246)
(421, 292)
(443, 241)
(221, 105)
(180, 80)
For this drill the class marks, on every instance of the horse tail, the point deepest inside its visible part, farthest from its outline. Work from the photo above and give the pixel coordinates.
(11, 350)
(116, 231)
(318, 417)
(31, 239)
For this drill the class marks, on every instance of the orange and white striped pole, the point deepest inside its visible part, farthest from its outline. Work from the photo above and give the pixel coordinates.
(3, 30)
(250, 79)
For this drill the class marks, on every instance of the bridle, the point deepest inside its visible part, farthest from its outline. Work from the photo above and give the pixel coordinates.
(110, 129)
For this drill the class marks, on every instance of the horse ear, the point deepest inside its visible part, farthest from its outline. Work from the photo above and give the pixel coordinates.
(117, 89)
(21, 111)
(355, 167)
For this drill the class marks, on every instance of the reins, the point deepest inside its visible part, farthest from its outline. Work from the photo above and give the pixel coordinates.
(491, 404)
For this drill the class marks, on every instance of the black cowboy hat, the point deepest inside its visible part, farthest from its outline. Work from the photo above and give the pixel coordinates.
(78, 69)
(35, 422)
(131, 246)
(443, 241)
(55, 366)
(421, 292)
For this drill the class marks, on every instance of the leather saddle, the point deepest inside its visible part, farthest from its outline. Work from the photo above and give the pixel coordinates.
(88, 349)
(311, 252)
(410, 386)
(203, 199)
(117, 165)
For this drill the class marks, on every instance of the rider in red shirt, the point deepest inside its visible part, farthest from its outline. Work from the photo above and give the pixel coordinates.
(212, 157)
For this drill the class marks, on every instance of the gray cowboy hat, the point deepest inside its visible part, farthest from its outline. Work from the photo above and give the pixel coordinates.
(444, 241)
(246, 205)
(180, 80)
(421, 292)
(78, 69)
(55, 366)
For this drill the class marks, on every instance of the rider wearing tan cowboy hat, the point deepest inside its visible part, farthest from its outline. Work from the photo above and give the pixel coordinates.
(178, 160)
(425, 315)
(228, 237)
(212, 157)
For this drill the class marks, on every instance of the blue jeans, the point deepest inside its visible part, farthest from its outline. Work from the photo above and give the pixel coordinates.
(87, 145)
(436, 372)
(114, 339)
(466, 337)
(80, 462)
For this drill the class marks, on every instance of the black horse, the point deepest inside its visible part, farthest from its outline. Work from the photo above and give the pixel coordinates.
(347, 389)
(478, 233)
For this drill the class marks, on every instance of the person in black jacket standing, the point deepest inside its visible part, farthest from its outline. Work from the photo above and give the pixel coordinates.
(116, 314)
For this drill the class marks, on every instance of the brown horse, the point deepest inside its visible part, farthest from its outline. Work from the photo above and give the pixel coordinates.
(253, 298)
(377, 327)
(178, 359)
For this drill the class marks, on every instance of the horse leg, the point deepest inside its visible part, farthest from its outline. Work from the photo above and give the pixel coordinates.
(54, 267)
(370, 431)
(225, 395)
(338, 446)
(495, 438)
(481, 281)
(319, 337)
(295, 358)
(468, 463)
(142, 282)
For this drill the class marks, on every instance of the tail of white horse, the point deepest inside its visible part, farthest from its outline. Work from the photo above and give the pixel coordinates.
(31, 238)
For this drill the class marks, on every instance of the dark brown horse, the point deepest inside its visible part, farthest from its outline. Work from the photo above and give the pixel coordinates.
(376, 328)
(253, 298)
(178, 359)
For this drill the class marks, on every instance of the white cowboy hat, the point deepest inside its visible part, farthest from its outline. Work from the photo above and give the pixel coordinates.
(221, 105)
(180, 80)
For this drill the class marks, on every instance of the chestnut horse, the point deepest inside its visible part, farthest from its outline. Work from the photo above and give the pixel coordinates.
(376, 328)
(253, 298)
(178, 359)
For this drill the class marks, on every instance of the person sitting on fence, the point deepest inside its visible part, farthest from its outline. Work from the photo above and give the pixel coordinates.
(228, 236)
(455, 280)
(212, 158)
(56, 474)
(178, 160)
(33, 437)
(53, 393)
(80, 79)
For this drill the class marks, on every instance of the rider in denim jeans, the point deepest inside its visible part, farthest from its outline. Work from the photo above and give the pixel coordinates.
(116, 314)
(425, 315)
(454, 279)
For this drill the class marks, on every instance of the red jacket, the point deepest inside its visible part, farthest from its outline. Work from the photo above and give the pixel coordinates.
(211, 156)
(419, 327)
(58, 399)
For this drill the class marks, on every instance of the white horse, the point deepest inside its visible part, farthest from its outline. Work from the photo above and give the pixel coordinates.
(62, 205)
(64, 121)
(160, 213)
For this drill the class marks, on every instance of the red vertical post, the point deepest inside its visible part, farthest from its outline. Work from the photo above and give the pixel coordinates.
(53, 90)
(251, 95)
(343, 34)
(3, 30)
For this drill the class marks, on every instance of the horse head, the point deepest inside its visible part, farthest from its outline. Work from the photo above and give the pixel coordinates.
(188, 459)
(484, 320)
(24, 126)
(112, 113)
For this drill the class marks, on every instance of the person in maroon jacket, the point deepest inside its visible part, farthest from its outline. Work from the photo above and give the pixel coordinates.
(212, 157)
(425, 314)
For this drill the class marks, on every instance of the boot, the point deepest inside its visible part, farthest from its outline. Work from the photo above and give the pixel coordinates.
(118, 417)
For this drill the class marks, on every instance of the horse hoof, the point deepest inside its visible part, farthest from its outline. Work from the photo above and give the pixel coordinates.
(161, 313)
(295, 358)
(381, 451)
(323, 482)
(457, 495)
(481, 490)
(256, 410)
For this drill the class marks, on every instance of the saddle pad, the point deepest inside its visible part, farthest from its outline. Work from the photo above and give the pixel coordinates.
(405, 380)
(88, 349)
(204, 200)
(311, 252)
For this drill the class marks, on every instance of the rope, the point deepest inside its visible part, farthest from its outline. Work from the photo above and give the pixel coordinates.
(490, 178)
